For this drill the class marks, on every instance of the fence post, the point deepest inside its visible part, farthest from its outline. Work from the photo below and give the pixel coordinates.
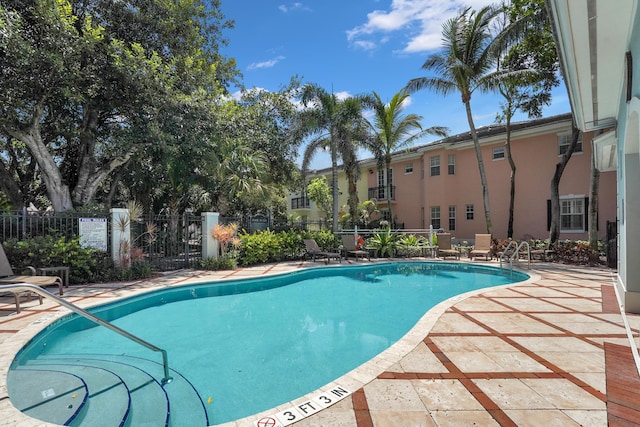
(120, 236)
(210, 247)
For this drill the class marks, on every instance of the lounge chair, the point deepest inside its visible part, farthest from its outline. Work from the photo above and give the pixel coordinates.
(7, 277)
(482, 247)
(444, 246)
(349, 244)
(315, 252)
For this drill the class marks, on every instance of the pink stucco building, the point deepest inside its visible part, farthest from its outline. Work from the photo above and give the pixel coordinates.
(439, 183)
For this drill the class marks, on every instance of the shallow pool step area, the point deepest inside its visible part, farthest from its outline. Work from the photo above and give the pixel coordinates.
(104, 390)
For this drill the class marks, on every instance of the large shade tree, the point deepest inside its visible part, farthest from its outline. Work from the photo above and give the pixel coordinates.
(84, 82)
(466, 63)
(525, 42)
(394, 132)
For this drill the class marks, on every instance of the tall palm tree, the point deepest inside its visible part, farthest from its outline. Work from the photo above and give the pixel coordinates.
(466, 63)
(330, 123)
(394, 132)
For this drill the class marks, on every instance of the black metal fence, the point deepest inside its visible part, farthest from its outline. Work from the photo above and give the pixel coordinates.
(168, 242)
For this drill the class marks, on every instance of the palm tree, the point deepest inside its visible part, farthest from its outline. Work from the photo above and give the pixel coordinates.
(466, 63)
(394, 132)
(332, 124)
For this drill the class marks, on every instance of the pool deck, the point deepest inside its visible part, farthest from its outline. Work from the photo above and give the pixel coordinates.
(554, 350)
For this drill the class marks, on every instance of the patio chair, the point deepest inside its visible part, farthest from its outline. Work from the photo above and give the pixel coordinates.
(7, 277)
(543, 253)
(315, 252)
(482, 247)
(444, 246)
(349, 244)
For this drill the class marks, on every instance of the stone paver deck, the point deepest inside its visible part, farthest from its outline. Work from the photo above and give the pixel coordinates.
(554, 350)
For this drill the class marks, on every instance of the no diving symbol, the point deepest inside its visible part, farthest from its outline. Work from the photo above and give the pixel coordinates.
(266, 422)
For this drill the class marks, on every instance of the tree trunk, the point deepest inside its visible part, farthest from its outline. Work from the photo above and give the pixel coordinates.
(483, 175)
(388, 184)
(10, 188)
(334, 184)
(353, 195)
(512, 188)
(593, 207)
(554, 231)
(57, 191)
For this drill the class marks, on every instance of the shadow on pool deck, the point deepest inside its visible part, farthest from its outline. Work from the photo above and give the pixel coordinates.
(554, 351)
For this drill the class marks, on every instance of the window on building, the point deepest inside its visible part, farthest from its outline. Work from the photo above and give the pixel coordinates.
(572, 214)
(469, 212)
(408, 168)
(498, 153)
(382, 183)
(452, 218)
(451, 163)
(565, 140)
(435, 165)
(435, 217)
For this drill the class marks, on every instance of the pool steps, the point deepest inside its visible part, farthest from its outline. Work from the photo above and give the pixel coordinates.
(119, 391)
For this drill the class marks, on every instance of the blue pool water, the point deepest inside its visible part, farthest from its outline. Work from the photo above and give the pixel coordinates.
(250, 345)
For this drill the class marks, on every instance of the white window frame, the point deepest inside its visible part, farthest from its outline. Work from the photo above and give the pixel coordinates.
(452, 218)
(563, 143)
(434, 215)
(408, 168)
(451, 164)
(434, 166)
(499, 153)
(572, 209)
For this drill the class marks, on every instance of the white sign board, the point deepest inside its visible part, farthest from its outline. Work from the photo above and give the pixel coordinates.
(93, 233)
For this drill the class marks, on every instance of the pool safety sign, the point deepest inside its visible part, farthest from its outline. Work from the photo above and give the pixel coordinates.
(93, 233)
(304, 409)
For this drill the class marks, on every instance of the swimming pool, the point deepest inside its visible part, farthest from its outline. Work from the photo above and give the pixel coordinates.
(259, 342)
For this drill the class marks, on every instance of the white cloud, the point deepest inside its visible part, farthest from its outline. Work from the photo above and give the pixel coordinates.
(421, 19)
(266, 64)
(284, 8)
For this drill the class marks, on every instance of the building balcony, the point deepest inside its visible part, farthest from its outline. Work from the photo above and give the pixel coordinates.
(380, 193)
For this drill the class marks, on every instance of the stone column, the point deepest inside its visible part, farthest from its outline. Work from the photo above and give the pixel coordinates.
(210, 246)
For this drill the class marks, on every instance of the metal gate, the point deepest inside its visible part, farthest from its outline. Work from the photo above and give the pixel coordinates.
(168, 242)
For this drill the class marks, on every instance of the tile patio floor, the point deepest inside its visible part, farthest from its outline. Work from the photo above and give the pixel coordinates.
(530, 354)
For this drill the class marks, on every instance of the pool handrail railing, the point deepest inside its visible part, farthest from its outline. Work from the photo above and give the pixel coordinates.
(22, 287)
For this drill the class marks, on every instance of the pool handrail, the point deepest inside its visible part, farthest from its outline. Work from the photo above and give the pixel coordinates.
(22, 287)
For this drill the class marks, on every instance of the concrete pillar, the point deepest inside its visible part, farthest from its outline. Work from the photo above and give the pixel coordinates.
(210, 246)
(120, 236)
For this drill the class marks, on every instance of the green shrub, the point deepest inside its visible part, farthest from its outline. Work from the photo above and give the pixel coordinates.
(86, 265)
(222, 263)
(259, 248)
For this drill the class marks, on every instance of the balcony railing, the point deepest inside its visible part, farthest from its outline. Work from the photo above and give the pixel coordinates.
(300, 203)
(380, 193)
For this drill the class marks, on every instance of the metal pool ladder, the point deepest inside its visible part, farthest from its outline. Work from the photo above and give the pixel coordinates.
(81, 312)
(515, 253)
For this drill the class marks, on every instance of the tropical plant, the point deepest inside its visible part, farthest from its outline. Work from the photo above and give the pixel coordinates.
(465, 64)
(226, 235)
(384, 243)
(410, 245)
(336, 125)
(394, 132)
(319, 192)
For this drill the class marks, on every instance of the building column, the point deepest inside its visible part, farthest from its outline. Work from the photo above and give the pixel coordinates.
(210, 246)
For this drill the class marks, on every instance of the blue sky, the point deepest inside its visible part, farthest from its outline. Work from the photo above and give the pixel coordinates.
(352, 47)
